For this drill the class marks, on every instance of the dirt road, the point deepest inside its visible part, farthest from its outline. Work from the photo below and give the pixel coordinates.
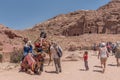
(71, 70)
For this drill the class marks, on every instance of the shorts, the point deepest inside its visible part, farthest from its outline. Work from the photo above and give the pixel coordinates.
(103, 60)
(117, 55)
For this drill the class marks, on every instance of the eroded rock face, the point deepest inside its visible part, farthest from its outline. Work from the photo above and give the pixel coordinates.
(9, 39)
(106, 19)
(8, 32)
(11, 34)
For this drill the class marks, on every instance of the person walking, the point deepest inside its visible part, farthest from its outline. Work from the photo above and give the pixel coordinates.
(85, 56)
(117, 53)
(56, 52)
(103, 54)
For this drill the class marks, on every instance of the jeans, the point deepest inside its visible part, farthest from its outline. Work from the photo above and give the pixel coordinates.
(86, 64)
(57, 64)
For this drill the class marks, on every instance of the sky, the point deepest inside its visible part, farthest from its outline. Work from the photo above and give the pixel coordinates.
(23, 14)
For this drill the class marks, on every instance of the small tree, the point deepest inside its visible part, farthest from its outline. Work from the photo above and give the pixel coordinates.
(16, 56)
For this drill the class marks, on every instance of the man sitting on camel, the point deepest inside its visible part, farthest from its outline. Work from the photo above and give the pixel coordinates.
(43, 35)
(28, 52)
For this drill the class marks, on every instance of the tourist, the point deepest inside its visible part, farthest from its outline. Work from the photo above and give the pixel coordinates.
(117, 53)
(103, 54)
(85, 56)
(56, 55)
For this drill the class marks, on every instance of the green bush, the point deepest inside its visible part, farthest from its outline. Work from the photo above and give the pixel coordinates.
(16, 56)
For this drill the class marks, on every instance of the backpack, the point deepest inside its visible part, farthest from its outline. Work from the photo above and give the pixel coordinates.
(59, 51)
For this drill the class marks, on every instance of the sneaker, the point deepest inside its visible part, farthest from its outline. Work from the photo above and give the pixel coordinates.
(60, 71)
(87, 69)
(103, 70)
(57, 72)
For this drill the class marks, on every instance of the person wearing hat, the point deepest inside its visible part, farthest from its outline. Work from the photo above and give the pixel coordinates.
(117, 52)
(25, 51)
(103, 54)
(43, 35)
(28, 48)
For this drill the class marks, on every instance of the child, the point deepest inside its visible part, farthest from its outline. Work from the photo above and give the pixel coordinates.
(85, 56)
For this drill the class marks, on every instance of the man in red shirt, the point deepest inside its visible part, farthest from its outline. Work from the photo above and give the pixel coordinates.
(85, 56)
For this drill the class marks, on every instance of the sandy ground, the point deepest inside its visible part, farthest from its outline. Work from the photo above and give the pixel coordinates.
(71, 70)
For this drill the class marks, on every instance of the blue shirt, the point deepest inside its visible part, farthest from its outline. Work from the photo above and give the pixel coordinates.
(26, 50)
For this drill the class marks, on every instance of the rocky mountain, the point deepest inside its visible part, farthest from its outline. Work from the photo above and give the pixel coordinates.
(9, 40)
(105, 19)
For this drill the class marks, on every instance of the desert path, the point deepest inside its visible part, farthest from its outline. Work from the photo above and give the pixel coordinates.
(71, 70)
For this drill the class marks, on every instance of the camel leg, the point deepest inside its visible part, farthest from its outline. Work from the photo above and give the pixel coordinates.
(49, 59)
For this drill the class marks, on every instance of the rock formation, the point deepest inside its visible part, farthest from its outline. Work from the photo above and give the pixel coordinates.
(106, 19)
(9, 39)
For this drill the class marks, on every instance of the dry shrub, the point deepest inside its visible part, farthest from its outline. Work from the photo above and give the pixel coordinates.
(72, 47)
(16, 56)
(1, 57)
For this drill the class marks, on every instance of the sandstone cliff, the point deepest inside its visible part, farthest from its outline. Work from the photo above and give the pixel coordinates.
(106, 19)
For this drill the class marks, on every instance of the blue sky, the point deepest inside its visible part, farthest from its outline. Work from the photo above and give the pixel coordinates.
(22, 14)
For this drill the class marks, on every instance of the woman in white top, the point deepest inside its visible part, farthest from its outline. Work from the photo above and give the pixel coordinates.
(103, 54)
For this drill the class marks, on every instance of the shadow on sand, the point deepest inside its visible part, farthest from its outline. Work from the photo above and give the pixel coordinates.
(94, 55)
(97, 66)
(83, 70)
(99, 71)
(70, 60)
(112, 65)
(53, 72)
